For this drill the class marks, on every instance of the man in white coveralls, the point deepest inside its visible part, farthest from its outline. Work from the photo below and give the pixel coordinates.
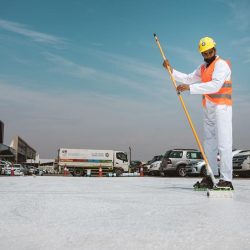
(212, 80)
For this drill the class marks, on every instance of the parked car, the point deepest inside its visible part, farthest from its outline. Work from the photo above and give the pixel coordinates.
(17, 171)
(154, 168)
(241, 163)
(154, 159)
(199, 168)
(176, 160)
(33, 170)
(135, 165)
(3, 166)
(22, 168)
(41, 172)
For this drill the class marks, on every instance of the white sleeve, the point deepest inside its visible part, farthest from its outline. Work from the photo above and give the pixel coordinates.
(187, 78)
(221, 74)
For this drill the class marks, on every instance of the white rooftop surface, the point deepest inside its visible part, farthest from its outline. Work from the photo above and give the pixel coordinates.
(52, 213)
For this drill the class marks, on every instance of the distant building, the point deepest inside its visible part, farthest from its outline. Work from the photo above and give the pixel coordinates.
(23, 151)
(6, 153)
(40, 162)
(46, 164)
(1, 132)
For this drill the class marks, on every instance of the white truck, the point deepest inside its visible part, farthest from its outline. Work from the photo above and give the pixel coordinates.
(79, 161)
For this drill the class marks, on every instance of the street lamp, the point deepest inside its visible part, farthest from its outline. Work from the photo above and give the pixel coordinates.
(129, 155)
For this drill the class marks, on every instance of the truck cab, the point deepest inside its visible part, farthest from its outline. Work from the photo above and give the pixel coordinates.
(120, 162)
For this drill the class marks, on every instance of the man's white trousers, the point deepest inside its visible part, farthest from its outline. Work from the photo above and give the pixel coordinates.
(218, 138)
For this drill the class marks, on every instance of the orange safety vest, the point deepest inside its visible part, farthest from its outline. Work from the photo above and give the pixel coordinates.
(224, 95)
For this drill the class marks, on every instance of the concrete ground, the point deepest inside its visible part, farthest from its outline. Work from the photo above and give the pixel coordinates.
(47, 212)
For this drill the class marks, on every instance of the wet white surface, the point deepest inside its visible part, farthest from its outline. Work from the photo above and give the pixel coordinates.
(120, 213)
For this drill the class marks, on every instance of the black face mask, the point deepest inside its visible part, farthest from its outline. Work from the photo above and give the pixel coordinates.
(210, 60)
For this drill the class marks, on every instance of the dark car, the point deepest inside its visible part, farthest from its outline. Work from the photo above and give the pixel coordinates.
(135, 166)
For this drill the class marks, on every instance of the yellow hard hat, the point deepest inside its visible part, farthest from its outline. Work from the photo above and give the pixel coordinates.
(206, 43)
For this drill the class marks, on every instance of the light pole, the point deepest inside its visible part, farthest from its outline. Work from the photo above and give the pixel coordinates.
(129, 155)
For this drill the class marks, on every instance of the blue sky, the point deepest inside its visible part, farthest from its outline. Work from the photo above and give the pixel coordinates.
(88, 74)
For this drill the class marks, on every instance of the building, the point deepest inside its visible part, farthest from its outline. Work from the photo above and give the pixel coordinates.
(50, 165)
(23, 151)
(6, 153)
(1, 132)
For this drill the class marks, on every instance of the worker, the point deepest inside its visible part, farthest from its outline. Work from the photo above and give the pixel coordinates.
(212, 80)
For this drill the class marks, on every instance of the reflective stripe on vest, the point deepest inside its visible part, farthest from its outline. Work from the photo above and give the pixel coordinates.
(224, 95)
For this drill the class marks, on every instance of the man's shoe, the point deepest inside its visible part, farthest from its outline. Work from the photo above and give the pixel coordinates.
(206, 182)
(225, 184)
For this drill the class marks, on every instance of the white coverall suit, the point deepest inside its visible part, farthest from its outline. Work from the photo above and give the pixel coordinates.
(217, 118)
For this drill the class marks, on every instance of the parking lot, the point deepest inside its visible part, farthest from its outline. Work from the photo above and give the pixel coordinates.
(47, 212)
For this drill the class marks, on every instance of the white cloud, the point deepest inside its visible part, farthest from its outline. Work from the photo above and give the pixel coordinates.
(67, 66)
(241, 42)
(244, 48)
(189, 56)
(151, 80)
(25, 31)
(97, 44)
(133, 65)
(240, 14)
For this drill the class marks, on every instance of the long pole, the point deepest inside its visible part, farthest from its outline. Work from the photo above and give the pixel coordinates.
(209, 170)
(129, 155)
(129, 158)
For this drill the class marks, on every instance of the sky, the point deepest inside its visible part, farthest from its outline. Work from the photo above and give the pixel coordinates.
(88, 74)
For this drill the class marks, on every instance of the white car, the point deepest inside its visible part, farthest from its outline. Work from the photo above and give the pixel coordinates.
(241, 163)
(154, 168)
(3, 166)
(17, 171)
(154, 159)
(199, 168)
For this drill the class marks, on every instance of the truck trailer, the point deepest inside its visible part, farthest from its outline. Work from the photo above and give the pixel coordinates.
(79, 161)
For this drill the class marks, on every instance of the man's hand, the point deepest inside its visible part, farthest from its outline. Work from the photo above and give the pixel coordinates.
(182, 87)
(167, 65)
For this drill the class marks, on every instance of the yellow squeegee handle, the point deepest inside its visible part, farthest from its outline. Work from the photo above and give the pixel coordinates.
(186, 113)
